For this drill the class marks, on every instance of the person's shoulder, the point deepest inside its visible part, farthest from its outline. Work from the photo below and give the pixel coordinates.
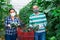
(17, 18)
(7, 17)
(41, 13)
(31, 15)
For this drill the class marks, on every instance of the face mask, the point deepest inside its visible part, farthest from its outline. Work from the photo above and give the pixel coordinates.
(13, 14)
(36, 11)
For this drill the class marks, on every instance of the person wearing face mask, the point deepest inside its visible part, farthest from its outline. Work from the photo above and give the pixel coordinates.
(10, 32)
(38, 18)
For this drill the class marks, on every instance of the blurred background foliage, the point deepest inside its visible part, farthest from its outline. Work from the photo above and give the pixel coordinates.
(4, 7)
(52, 10)
(49, 7)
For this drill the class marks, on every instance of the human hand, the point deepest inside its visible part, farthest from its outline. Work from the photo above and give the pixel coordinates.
(9, 25)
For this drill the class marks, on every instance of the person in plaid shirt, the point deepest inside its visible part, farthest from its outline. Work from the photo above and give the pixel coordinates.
(10, 32)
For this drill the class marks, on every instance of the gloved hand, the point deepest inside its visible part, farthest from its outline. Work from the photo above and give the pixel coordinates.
(9, 25)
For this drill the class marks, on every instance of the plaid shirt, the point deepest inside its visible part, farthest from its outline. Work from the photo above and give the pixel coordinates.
(8, 20)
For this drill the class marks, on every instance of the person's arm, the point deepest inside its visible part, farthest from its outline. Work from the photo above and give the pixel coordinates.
(30, 23)
(45, 22)
(18, 21)
(6, 23)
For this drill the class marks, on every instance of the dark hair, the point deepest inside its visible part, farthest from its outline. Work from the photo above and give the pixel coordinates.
(12, 9)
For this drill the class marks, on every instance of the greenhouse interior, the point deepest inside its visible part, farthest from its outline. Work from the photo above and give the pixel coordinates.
(24, 8)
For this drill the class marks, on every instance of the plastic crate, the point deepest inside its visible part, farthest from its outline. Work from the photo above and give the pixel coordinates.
(25, 35)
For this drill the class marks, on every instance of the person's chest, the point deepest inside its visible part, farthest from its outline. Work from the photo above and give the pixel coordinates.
(12, 21)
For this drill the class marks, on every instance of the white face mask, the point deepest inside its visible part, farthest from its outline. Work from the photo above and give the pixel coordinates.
(12, 14)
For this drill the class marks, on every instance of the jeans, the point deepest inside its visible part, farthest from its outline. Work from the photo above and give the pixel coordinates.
(40, 36)
(10, 37)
